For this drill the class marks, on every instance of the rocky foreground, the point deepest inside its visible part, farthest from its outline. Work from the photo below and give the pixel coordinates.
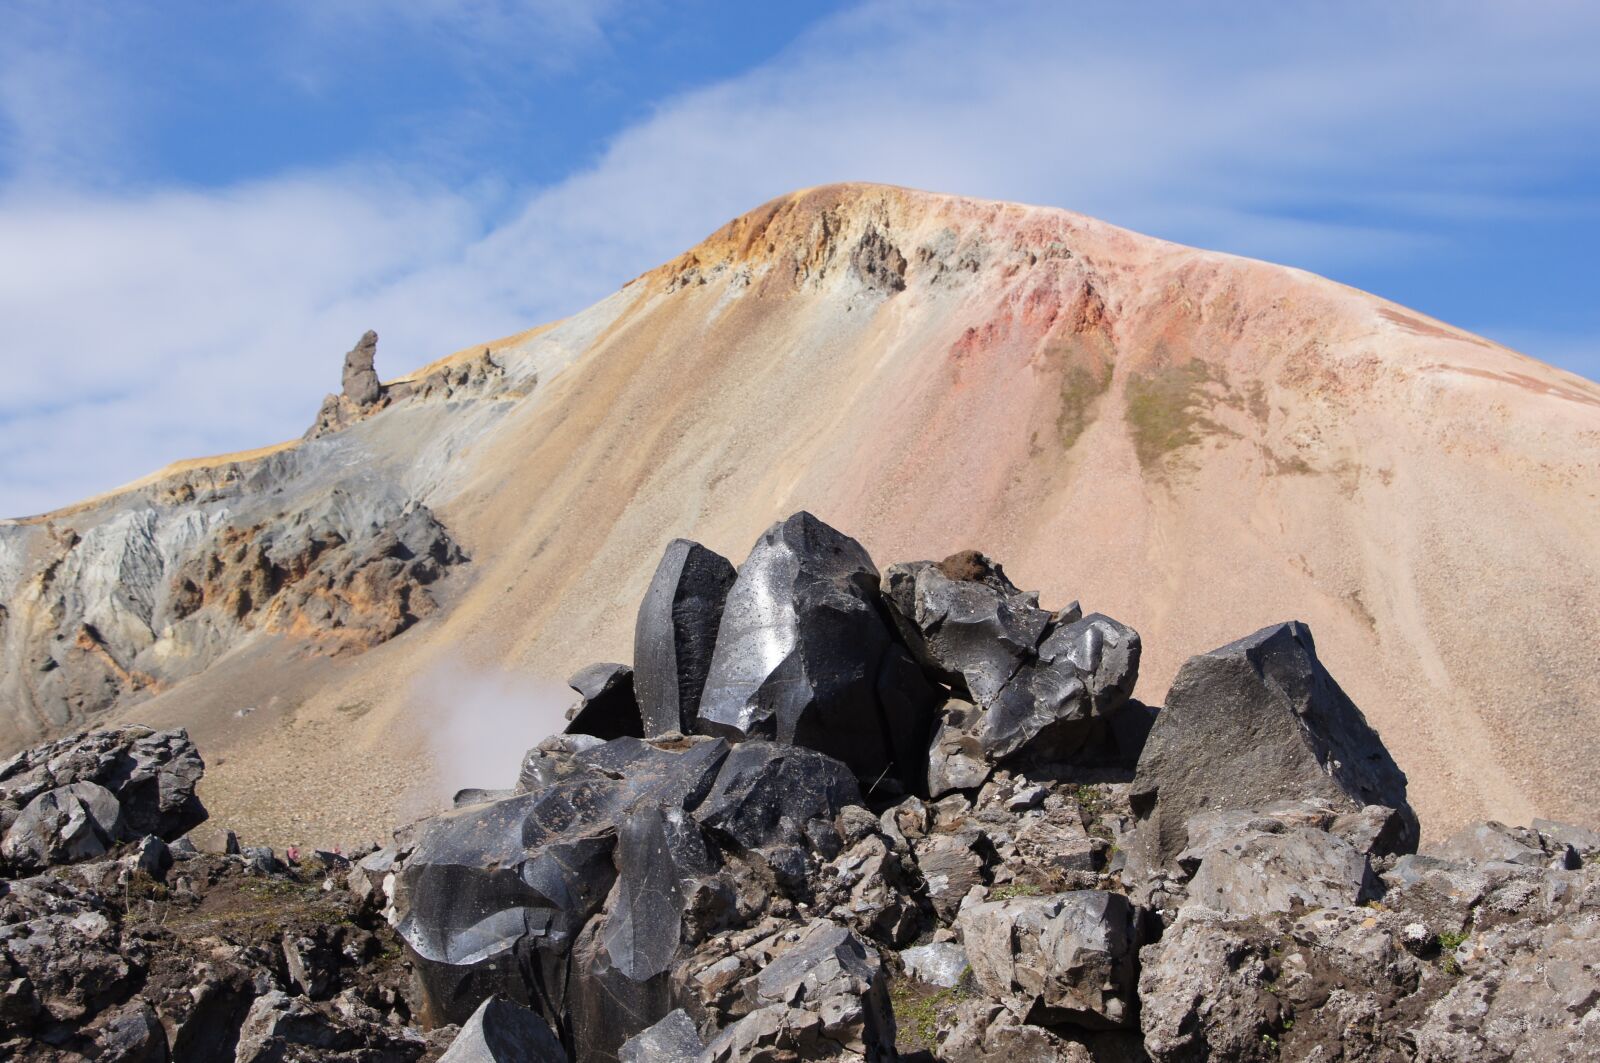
(826, 815)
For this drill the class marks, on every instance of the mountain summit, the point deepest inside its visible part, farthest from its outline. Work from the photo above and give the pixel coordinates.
(1197, 443)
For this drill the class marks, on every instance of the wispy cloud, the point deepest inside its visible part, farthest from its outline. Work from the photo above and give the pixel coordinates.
(1327, 136)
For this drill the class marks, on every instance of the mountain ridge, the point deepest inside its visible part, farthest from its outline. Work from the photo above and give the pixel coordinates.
(1190, 439)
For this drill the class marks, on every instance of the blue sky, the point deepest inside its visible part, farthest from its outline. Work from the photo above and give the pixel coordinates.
(203, 204)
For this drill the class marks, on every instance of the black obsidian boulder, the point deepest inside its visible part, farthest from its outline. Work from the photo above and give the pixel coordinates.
(801, 650)
(609, 708)
(675, 634)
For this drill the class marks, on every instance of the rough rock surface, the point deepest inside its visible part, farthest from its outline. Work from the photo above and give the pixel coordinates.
(736, 897)
(75, 799)
(1253, 722)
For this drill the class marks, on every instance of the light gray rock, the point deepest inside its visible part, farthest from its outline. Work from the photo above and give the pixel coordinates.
(1064, 958)
(1495, 842)
(956, 758)
(941, 963)
(951, 864)
(1255, 873)
(826, 997)
(1204, 993)
(672, 1040)
(504, 1032)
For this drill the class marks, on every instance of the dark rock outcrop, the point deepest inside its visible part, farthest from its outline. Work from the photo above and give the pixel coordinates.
(753, 897)
(76, 799)
(800, 651)
(676, 633)
(503, 1032)
(608, 709)
(1253, 722)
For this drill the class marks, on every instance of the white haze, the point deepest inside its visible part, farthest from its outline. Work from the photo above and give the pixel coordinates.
(484, 720)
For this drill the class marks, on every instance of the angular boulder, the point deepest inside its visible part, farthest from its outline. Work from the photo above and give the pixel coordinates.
(109, 786)
(1254, 722)
(676, 633)
(801, 649)
(765, 792)
(503, 1032)
(608, 709)
(965, 621)
(672, 1040)
(69, 824)
(1257, 872)
(825, 998)
(1065, 958)
(493, 896)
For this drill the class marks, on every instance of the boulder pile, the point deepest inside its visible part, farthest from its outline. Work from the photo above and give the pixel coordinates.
(833, 814)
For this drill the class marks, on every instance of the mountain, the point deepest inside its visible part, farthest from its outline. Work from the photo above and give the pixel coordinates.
(1195, 443)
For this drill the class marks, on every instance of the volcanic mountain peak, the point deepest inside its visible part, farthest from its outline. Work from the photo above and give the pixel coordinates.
(1196, 442)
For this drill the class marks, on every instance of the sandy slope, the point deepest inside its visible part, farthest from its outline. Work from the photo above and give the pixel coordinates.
(1194, 443)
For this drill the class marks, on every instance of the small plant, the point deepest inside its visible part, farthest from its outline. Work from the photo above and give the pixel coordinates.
(1015, 889)
(920, 1013)
(1449, 941)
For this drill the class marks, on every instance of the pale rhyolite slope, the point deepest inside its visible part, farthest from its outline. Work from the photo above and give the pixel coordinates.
(1425, 499)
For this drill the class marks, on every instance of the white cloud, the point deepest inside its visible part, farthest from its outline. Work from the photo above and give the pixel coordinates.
(175, 323)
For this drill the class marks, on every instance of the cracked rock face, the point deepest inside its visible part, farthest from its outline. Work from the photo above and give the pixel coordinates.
(75, 799)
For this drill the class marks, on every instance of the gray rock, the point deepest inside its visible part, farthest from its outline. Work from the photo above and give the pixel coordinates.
(824, 998)
(61, 953)
(951, 864)
(71, 823)
(1585, 842)
(1254, 722)
(800, 652)
(672, 1040)
(131, 1034)
(504, 1032)
(676, 633)
(1496, 842)
(360, 380)
(941, 963)
(985, 1032)
(956, 758)
(1103, 652)
(1255, 873)
(1204, 993)
(111, 786)
(1065, 958)
(608, 709)
(965, 620)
